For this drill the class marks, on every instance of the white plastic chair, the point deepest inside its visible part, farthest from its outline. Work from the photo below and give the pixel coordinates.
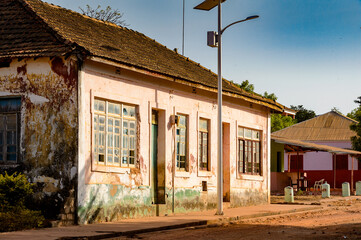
(318, 184)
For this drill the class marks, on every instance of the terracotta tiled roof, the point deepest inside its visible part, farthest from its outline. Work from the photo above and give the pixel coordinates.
(23, 34)
(330, 126)
(55, 30)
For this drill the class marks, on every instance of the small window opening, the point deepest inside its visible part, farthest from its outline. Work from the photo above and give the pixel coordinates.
(4, 64)
(204, 186)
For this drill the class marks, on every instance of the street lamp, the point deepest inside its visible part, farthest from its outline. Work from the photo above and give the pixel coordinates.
(215, 40)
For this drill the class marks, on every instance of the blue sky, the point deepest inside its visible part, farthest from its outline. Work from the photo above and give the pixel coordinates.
(307, 52)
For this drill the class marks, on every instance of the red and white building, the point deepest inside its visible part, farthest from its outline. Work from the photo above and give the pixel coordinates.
(334, 166)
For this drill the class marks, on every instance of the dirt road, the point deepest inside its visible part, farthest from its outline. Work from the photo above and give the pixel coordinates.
(337, 220)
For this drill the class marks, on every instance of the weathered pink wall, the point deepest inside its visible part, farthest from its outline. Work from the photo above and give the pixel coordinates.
(147, 92)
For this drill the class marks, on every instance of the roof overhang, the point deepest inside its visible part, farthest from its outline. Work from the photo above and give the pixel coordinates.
(297, 145)
(275, 107)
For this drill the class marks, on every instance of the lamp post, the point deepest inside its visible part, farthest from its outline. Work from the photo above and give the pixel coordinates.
(215, 40)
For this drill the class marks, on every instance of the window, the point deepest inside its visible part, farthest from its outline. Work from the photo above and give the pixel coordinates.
(115, 133)
(296, 166)
(203, 144)
(9, 130)
(249, 151)
(182, 142)
(341, 162)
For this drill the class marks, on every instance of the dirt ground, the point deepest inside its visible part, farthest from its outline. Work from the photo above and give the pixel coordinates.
(337, 220)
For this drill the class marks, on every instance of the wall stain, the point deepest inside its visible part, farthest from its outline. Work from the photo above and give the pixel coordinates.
(113, 190)
(48, 141)
(68, 72)
(192, 163)
(22, 69)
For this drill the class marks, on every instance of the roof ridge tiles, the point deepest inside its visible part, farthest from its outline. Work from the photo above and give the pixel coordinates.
(83, 15)
(340, 114)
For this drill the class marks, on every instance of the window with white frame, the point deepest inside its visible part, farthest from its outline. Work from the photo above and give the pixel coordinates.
(115, 133)
(203, 144)
(182, 142)
(9, 130)
(249, 151)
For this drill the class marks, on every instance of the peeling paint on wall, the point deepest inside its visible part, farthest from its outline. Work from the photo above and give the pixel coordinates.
(48, 140)
(127, 192)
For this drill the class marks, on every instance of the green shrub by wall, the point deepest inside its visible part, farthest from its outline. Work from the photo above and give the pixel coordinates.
(14, 214)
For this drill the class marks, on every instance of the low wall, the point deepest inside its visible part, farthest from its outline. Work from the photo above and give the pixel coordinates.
(107, 202)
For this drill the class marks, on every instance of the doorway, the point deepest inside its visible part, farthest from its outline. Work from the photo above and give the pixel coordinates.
(226, 163)
(157, 150)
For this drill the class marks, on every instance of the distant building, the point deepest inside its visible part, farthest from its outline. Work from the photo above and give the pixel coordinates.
(331, 129)
(289, 112)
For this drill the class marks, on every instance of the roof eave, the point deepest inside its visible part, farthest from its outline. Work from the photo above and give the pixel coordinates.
(313, 146)
(275, 107)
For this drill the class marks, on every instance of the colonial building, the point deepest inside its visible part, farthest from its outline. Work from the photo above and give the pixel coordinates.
(111, 124)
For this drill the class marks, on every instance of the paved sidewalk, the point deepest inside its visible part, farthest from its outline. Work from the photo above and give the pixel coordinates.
(134, 226)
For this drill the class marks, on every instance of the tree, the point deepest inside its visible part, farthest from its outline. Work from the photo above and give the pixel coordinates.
(356, 140)
(279, 122)
(354, 112)
(107, 14)
(245, 85)
(271, 96)
(303, 113)
(358, 100)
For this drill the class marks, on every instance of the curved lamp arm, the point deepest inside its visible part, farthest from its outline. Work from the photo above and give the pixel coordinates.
(248, 18)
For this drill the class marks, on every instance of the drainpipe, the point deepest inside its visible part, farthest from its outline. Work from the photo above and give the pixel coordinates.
(80, 162)
(174, 159)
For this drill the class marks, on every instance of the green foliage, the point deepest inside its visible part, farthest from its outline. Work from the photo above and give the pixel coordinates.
(271, 96)
(279, 122)
(353, 113)
(357, 111)
(356, 140)
(107, 14)
(245, 85)
(248, 87)
(19, 219)
(303, 113)
(14, 191)
(299, 193)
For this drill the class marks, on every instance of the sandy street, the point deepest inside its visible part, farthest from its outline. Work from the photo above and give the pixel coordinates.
(337, 220)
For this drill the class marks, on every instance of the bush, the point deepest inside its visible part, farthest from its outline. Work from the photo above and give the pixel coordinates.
(14, 189)
(14, 215)
(20, 219)
(299, 193)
